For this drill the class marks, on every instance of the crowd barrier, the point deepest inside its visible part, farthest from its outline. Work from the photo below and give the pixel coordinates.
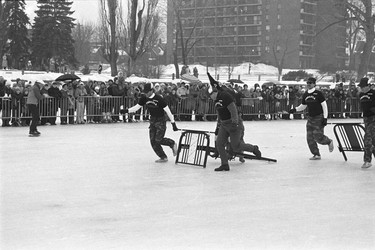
(99, 109)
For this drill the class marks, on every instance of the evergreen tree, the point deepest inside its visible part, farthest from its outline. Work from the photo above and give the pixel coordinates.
(3, 28)
(52, 33)
(19, 43)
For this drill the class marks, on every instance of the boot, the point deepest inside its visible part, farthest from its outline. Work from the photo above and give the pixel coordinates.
(223, 168)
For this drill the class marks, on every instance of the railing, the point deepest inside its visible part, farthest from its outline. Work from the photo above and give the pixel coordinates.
(107, 108)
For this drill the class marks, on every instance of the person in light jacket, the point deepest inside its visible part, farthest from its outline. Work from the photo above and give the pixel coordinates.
(32, 102)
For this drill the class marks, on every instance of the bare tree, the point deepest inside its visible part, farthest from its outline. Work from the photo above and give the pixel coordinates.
(3, 28)
(142, 29)
(82, 35)
(279, 52)
(186, 41)
(109, 10)
(362, 10)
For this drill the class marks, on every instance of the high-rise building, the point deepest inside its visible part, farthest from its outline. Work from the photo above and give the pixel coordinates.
(291, 32)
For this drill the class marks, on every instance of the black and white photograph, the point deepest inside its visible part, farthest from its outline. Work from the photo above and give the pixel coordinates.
(187, 124)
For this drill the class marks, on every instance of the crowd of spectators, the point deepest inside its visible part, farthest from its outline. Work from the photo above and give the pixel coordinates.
(79, 102)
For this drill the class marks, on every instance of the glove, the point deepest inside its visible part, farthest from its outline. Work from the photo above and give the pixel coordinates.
(292, 111)
(174, 126)
(124, 111)
(324, 122)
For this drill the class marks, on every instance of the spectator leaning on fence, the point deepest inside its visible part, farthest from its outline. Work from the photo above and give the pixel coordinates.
(6, 105)
(367, 100)
(17, 103)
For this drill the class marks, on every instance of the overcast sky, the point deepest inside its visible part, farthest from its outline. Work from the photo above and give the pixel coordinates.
(85, 10)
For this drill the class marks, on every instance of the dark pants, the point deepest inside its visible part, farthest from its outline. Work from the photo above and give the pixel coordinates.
(34, 110)
(369, 138)
(315, 133)
(157, 130)
(235, 133)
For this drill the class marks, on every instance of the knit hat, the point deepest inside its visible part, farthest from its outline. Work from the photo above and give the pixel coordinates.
(311, 80)
(363, 82)
(147, 87)
(213, 83)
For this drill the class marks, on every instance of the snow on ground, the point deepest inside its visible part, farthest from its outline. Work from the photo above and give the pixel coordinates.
(97, 187)
(259, 73)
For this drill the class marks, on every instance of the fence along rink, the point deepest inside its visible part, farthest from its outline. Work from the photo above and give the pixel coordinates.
(95, 108)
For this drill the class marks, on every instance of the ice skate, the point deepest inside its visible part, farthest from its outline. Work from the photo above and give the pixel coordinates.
(315, 157)
(161, 160)
(366, 165)
(34, 133)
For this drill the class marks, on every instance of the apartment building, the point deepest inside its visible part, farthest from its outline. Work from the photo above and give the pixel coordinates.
(290, 32)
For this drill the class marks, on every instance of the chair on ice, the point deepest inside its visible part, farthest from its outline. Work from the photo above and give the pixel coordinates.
(349, 137)
(194, 148)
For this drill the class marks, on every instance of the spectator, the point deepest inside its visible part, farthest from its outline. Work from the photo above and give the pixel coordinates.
(104, 104)
(79, 95)
(115, 91)
(46, 105)
(2, 91)
(17, 103)
(89, 86)
(182, 91)
(95, 104)
(71, 103)
(55, 94)
(25, 121)
(202, 102)
(7, 105)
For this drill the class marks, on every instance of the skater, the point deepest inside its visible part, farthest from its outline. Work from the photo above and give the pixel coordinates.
(156, 106)
(32, 102)
(315, 101)
(367, 101)
(230, 126)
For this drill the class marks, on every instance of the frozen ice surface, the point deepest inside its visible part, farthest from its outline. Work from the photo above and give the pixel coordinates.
(97, 187)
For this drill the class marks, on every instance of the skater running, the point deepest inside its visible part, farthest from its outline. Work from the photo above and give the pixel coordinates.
(367, 101)
(156, 106)
(316, 104)
(230, 126)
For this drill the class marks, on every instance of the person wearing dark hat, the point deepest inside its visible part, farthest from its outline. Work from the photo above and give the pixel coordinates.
(367, 101)
(229, 125)
(32, 102)
(157, 107)
(315, 102)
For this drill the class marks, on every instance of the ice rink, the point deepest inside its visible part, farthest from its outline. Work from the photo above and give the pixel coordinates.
(97, 187)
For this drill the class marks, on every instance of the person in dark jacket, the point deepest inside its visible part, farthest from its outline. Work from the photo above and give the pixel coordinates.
(229, 126)
(115, 90)
(32, 102)
(6, 104)
(17, 103)
(56, 95)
